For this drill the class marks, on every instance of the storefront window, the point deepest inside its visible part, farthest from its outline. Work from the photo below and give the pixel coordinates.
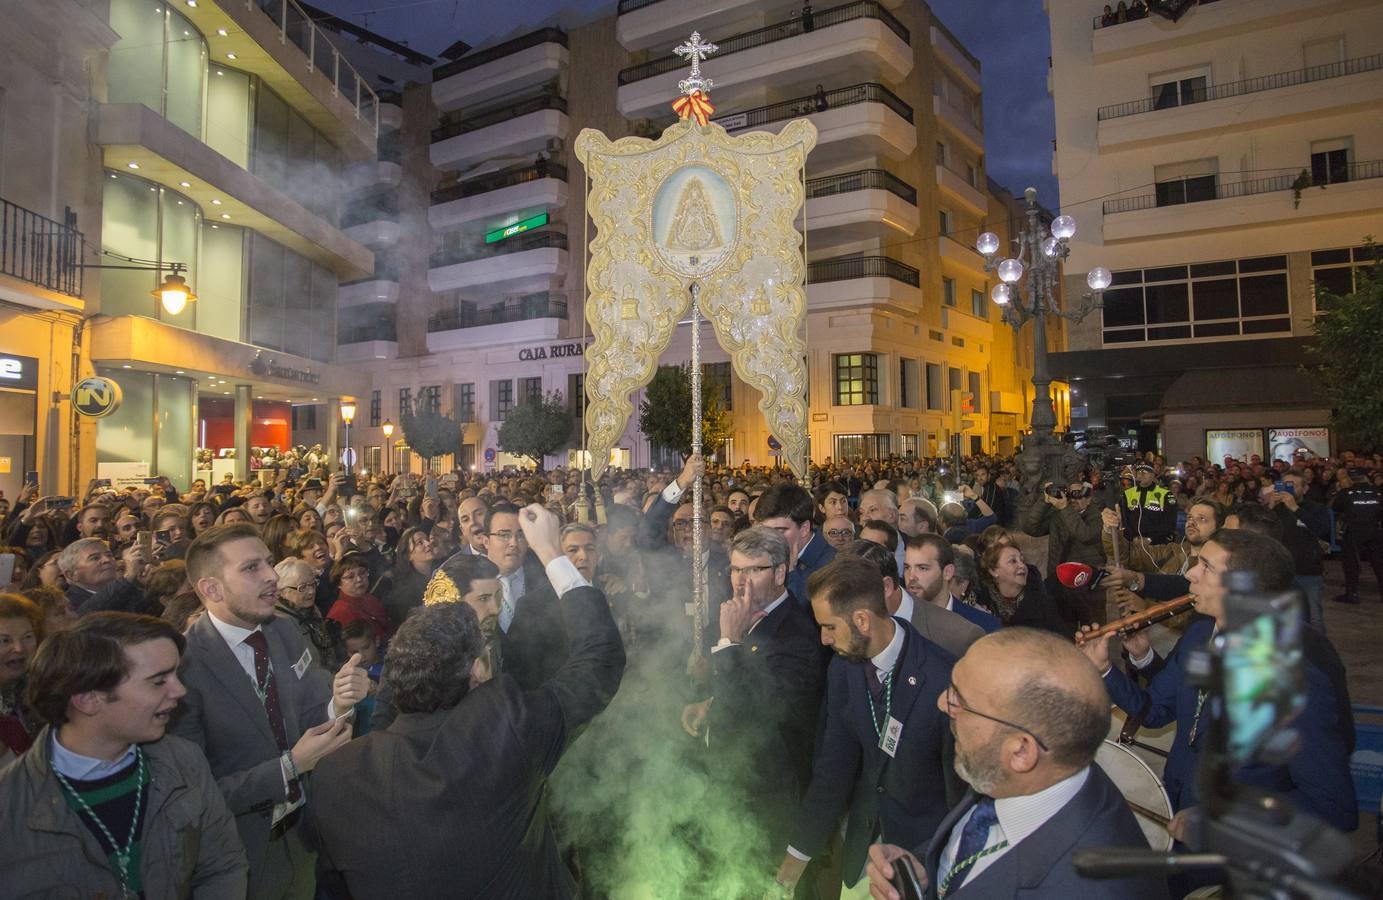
(127, 435)
(221, 309)
(159, 61)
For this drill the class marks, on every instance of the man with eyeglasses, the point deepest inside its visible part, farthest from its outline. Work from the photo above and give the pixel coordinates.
(881, 759)
(532, 640)
(1028, 713)
(767, 677)
(838, 531)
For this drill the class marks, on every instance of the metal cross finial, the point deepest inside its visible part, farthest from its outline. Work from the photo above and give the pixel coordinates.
(695, 51)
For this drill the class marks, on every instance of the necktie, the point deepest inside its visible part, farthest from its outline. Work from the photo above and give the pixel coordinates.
(269, 696)
(506, 604)
(973, 838)
(876, 683)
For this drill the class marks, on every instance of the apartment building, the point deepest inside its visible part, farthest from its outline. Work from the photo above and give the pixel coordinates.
(1223, 166)
(899, 315)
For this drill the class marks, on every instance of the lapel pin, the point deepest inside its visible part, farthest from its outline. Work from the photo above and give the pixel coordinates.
(912, 680)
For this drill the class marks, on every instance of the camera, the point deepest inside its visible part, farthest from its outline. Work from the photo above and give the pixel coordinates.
(1055, 491)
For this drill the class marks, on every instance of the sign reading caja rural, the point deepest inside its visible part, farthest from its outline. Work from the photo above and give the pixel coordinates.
(96, 397)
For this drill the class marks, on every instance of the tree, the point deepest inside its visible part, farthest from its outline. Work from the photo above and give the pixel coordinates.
(536, 427)
(430, 434)
(665, 414)
(1350, 330)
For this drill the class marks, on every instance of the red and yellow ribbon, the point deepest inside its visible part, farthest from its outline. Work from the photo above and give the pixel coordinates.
(696, 104)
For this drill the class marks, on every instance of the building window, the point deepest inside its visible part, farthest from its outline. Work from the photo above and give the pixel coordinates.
(1339, 271)
(944, 220)
(1330, 162)
(531, 390)
(973, 382)
(971, 176)
(501, 398)
(978, 306)
(940, 153)
(430, 399)
(1186, 182)
(908, 444)
(860, 446)
(405, 402)
(909, 384)
(936, 391)
(576, 394)
(304, 418)
(948, 291)
(1205, 300)
(954, 377)
(720, 374)
(857, 379)
(1179, 92)
(375, 404)
(465, 402)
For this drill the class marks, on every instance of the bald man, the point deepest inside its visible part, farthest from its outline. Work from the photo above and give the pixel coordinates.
(1028, 712)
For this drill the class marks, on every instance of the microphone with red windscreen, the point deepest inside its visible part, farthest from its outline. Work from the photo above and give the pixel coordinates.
(1078, 575)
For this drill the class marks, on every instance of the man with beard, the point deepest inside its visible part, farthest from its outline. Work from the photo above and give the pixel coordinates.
(1027, 712)
(929, 572)
(1203, 518)
(766, 686)
(881, 756)
(258, 706)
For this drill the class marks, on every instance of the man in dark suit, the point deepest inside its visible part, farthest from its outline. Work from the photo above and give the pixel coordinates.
(1028, 712)
(1317, 778)
(532, 642)
(455, 788)
(881, 757)
(766, 682)
(788, 509)
(258, 704)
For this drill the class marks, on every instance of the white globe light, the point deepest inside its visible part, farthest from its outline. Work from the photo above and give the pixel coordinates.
(1063, 227)
(1051, 247)
(1099, 278)
(987, 243)
(1001, 294)
(1010, 270)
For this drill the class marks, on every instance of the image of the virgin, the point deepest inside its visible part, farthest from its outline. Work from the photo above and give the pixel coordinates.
(694, 218)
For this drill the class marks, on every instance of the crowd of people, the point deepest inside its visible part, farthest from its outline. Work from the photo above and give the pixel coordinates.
(343, 685)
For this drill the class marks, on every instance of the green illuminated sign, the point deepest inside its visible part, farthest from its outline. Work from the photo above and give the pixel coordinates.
(509, 231)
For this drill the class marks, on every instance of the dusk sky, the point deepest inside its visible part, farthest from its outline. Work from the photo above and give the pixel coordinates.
(1009, 37)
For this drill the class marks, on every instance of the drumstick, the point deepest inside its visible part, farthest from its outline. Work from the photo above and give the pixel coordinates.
(1149, 814)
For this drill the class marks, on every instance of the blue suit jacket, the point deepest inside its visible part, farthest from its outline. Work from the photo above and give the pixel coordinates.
(815, 555)
(1039, 866)
(1317, 779)
(990, 623)
(903, 797)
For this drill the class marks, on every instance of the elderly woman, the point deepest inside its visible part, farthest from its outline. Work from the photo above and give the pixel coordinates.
(1008, 590)
(354, 601)
(297, 590)
(21, 630)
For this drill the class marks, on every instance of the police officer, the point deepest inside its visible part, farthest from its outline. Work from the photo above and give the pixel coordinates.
(1356, 504)
(1149, 510)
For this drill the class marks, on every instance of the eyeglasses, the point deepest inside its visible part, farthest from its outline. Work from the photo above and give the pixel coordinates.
(508, 536)
(840, 532)
(299, 588)
(953, 702)
(748, 570)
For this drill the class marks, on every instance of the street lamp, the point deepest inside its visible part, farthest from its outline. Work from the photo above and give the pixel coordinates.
(388, 429)
(1027, 291)
(348, 416)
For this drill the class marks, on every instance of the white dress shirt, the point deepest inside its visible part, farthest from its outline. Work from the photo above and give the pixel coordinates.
(726, 642)
(906, 607)
(512, 587)
(1018, 818)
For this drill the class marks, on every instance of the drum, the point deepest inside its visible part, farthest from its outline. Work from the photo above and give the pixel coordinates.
(1140, 786)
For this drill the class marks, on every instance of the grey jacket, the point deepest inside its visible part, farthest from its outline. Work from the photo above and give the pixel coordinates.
(952, 632)
(189, 840)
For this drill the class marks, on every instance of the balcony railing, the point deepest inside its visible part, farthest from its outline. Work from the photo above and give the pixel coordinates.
(868, 92)
(383, 272)
(359, 334)
(864, 180)
(537, 241)
(1248, 86)
(457, 126)
(631, 5)
(499, 180)
(533, 306)
(759, 37)
(370, 210)
(862, 267)
(297, 26)
(1132, 16)
(499, 51)
(38, 250)
(1355, 172)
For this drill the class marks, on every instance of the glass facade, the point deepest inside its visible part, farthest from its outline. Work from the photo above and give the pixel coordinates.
(292, 302)
(159, 61)
(128, 435)
(294, 157)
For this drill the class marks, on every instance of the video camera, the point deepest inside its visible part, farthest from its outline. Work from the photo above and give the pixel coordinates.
(1254, 676)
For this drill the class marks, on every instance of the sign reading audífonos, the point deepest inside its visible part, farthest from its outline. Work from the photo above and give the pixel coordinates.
(96, 397)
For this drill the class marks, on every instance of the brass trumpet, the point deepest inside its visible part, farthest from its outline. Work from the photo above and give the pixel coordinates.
(1158, 612)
